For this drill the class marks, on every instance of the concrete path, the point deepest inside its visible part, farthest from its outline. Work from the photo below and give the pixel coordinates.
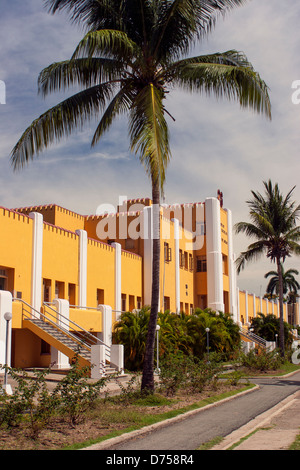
(276, 429)
(232, 419)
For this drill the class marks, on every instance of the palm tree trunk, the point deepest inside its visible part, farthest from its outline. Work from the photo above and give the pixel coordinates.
(148, 367)
(280, 288)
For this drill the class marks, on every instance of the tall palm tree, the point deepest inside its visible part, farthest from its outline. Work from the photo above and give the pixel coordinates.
(131, 57)
(273, 226)
(289, 283)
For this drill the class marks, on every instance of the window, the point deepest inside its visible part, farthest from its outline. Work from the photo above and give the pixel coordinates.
(166, 303)
(131, 303)
(100, 297)
(45, 347)
(181, 259)
(3, 279)
(201, 264)
(186, 260)
(59, 290)
(47, 290)
(167, 252)
(191, 262)
(2, 283)
(72, 294)
(123, 303)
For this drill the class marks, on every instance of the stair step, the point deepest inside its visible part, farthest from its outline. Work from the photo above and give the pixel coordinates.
(69, 342)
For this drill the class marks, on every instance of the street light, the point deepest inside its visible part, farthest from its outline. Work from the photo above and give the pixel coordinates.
(276, 337)
(207, 342)
(157, 370)
(7, 317)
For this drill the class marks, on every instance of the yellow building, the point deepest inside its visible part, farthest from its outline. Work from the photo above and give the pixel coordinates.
(78, 273)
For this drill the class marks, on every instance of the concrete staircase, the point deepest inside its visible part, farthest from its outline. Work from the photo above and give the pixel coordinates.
(247, 335)
(64, 335)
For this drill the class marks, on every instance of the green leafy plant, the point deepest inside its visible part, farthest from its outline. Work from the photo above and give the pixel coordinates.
(76, 393)
(173, 373)
(202, 373)
(261, 361)
(31, 401)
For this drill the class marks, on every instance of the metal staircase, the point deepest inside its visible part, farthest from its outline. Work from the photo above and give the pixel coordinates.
(247, 335)
(63, 334)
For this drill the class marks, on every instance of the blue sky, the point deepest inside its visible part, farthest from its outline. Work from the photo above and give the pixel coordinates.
(215, 145)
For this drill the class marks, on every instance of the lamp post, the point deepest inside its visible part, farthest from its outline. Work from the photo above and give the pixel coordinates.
(207, 342)
(157, 370)
(7, 317)
(276, 336)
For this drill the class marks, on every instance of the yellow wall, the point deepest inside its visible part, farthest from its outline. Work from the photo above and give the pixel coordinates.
(58, 216)
(131, 279)
(265, 308)
(101, 269)
(16, 251)
(60, 259)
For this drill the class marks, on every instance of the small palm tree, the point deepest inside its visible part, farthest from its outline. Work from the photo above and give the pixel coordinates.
(132, 56)
(289, 282)
(273, 226)
(131, 331)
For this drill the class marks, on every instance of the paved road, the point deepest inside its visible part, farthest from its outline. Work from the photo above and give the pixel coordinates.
(220, 420)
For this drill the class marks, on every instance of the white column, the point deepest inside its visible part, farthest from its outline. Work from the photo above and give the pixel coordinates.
(106, 334)
(231, 270)
(246, 307)
(177, 267)
(60, 360)
(117, 357)
(215, 299)
(254, 306)
(118, 279)
(82, 281)
(98, 361)
(260, 305)
(37, 260)
(5, 307)
(238, 306)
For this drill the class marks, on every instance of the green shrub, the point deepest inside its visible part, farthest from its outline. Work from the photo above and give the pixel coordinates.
(261, 361)
(34, 405)
(173, 373)
(201, 374)
(76, 394)
(31, 401)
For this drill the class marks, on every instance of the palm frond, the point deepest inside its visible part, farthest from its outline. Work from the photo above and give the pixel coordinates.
(107, 43)
(181, 22)
(229, 75)
(85, 72)
(254, 251)
(59, 121)
(251, 230)
(120, 104)
(91, 13)
(149, 133)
